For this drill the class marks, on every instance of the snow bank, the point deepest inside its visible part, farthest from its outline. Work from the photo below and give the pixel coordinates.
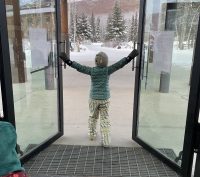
(89, 54)
(180, 57)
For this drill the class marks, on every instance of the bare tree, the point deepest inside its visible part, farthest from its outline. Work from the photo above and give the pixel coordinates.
(186, 23)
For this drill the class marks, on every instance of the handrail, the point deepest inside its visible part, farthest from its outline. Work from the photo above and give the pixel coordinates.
(37, 70)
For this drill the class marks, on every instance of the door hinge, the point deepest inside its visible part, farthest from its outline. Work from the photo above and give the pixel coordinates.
(197, 138)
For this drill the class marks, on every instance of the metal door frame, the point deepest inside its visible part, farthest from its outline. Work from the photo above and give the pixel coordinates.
(6, 80)
(193, 104)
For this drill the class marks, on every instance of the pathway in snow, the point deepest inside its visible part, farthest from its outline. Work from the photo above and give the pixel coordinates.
(91, 50)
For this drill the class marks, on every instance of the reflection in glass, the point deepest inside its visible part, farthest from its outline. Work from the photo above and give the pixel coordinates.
(32, 43)
(169, 40)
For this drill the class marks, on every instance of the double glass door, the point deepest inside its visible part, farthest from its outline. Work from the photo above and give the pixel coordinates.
(32, 38)
(164, 75)
(164, 81)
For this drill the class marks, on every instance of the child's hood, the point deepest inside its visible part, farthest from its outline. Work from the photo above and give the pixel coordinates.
(9, 160)
(7, 138)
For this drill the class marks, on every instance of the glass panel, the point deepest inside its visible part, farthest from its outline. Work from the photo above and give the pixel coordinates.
(169, 37)
(32, 42)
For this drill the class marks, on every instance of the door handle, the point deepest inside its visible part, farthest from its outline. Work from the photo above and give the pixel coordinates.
(65, 49)
(133, 64)
(135, 46)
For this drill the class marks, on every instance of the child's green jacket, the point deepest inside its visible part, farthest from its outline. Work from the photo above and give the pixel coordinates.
(99, 78)
(9, 161)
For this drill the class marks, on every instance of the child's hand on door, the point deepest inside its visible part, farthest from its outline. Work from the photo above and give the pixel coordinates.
(63, 56)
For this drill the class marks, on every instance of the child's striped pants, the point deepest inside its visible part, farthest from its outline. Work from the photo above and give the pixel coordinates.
(99, 108)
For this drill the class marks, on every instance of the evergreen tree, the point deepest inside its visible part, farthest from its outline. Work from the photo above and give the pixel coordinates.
(72, 25)
(102, 33)
(118, 23)
(89, 33)
(109, 28)
(83, 28)
(133, 29)
(73, 21)
(98, 30)
(93, 28)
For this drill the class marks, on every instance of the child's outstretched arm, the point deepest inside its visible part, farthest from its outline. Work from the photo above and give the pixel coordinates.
(121, 63)
(75, 65)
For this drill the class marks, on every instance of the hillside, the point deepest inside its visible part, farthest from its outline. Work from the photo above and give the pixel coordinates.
(104, 6)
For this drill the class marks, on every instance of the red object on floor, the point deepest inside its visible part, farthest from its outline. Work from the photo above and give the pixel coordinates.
(16, 174)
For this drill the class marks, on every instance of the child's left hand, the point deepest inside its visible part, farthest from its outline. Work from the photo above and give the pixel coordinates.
(63, 56)
(133, 54)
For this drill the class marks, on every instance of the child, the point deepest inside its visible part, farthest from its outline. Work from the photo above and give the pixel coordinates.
(10, 165)
(99, 92)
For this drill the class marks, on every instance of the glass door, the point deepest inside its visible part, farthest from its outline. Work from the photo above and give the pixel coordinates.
(32, 31)
(163, 77)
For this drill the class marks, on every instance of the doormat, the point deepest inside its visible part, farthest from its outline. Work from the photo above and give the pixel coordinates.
(69, 160)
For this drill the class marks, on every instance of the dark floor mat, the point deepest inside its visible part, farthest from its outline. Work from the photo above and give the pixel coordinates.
(96, 161)
(169, 153)
(43, 175)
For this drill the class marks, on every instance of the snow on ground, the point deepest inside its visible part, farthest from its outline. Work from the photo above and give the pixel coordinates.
(91, 51)
(179, 58)
(88, 52)
(182, 57)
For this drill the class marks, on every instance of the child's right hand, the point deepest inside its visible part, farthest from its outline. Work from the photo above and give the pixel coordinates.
(133, 54)
(63, 56)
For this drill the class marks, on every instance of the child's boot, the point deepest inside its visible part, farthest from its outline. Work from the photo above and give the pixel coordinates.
(105, 135)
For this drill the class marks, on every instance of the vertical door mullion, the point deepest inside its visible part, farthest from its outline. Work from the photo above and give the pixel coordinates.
(6, 78)
(59, 69)
(193, 111)
(138, 68)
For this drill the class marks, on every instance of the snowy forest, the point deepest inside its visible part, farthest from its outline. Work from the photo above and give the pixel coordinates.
(183, 21)
(89, 28)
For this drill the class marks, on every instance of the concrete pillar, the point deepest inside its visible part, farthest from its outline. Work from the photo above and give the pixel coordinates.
(64, 26)
(50, 72)
(19, 55)
(164, 76)
(164, 82)
(153, 27)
